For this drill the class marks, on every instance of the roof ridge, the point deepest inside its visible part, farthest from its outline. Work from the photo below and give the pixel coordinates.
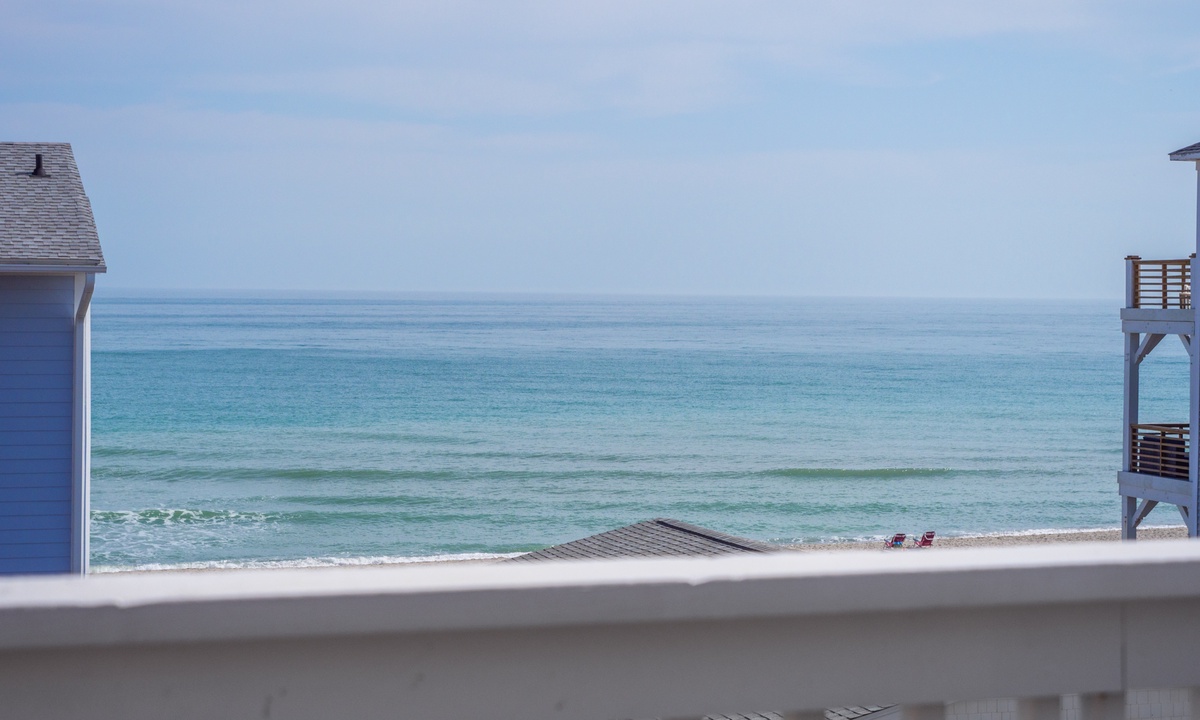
(714, 535)
(656, 537)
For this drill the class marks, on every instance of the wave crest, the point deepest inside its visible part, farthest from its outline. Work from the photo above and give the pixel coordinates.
(311, 562)
(169, 516)
(860, 472)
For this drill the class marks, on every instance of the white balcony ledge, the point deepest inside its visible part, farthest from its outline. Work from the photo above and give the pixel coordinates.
(1167, 321)
(622, 638)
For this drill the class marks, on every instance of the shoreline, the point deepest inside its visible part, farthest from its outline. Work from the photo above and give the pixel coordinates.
(991, 540)
(1006, 540)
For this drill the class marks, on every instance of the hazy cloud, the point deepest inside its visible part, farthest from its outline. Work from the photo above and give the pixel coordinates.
(826, 147)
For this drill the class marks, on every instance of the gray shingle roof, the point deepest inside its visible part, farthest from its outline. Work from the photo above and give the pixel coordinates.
(886, 712)
(1191, 152)
(842, 713)
(853, 713)
(650, 538)
(45, 220)
(664, 537)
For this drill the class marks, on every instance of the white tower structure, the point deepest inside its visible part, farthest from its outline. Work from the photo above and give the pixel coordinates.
(1157, 464)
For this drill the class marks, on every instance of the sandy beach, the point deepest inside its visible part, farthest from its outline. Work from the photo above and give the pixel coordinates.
(1033, 538)
(1113, 535)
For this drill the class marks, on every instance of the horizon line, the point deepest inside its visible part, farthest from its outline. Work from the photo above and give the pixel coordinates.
(304, 292)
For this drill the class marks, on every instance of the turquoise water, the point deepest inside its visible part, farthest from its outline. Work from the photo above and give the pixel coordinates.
(258, 430)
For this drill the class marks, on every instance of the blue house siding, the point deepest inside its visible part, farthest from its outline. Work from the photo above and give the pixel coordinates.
(32, 522)
(36, 436)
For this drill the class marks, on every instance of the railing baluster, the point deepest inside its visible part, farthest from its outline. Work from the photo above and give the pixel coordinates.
(1040, 708)
(1137, 271)
(932, 711)
(1102, 706)
(1186, 302)
(1164, 285)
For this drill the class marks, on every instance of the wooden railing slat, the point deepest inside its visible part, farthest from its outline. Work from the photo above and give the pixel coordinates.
(1162, 449)
(1162, 283)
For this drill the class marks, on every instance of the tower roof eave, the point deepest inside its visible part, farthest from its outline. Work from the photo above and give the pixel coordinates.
(1191, 152)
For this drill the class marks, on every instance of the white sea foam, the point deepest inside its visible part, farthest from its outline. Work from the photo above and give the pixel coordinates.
(1057, 531)
(302, 562)
(998, 534)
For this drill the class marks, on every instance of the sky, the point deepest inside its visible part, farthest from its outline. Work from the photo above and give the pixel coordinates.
(938, 148)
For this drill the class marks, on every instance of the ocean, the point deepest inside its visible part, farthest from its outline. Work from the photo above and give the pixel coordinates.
(267, 430)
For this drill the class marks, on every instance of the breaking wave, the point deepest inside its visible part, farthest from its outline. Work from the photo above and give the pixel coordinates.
(166, 516)
(311, 562)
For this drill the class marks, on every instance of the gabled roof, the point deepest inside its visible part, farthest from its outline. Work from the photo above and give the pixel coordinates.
(45, 221)
(650, 538)
(1191, 152)
(664, 537)
(842, 713)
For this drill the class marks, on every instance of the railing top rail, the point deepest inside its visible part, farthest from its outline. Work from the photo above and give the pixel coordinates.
(294, 603)
(678, 637)
(1170, 261)
(1165, 427)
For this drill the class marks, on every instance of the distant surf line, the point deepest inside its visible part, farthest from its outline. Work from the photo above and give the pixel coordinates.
(323, 562)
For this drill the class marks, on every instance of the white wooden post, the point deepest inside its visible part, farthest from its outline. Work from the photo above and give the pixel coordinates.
(1102, 706)
(1040, 708)
(1193, 522)
(1130, 415)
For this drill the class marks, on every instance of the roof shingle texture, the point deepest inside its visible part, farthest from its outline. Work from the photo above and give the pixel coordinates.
(45, 220)
(650, 538)
(1191, 152)
(842, 713)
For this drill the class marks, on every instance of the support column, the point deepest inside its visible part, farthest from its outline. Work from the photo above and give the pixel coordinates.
(1040, 708)
(1102, 706)
(1128, 517)
(1130, 415)
(1193, 519)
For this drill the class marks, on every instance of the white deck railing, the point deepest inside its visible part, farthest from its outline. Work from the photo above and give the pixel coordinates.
(612, 639)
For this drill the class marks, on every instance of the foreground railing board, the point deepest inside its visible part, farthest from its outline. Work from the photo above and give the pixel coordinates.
(631, 638)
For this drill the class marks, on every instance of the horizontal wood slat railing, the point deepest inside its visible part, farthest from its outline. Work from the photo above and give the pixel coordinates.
(1160, 449)
(1162, 283)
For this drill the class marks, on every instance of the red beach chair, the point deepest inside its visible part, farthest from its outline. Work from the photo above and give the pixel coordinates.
(925, 540)
(897, 541)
